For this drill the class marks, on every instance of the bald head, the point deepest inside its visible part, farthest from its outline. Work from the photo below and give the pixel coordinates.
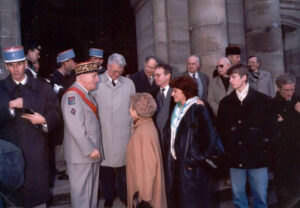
(223, 65)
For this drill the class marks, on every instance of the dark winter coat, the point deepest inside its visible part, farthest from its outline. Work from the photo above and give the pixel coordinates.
(188, 180)
(39, 97)
(247, 129)
(142, 83)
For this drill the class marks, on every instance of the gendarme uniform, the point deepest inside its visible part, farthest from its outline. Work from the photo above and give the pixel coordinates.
(32, 139)
(82, 135)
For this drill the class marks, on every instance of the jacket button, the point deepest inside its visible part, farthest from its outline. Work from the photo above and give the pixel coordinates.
(240, 165)
(240, 143)
(239, 121)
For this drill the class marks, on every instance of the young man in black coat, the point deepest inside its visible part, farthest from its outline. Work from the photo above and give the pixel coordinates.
(245, 123)
(287, 147)
(34, 108)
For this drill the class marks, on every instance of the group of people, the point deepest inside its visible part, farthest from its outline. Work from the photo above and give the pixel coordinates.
(150, 137)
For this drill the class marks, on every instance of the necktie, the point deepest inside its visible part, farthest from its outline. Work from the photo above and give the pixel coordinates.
(151, 80)
(113, 83)
(162, 95)
(194, 76)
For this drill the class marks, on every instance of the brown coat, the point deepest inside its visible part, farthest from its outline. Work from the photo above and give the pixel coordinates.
(144, 166)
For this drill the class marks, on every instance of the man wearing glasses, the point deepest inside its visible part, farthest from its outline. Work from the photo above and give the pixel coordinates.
(219, 87)
(144, 79)
(113, 98)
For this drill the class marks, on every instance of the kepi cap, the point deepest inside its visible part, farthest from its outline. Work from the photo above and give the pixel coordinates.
(96, 52)
(86, 67)
(13, 54)
(65, 55)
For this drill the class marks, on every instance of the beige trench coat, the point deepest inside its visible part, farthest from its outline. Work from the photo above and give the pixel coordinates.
(144, 165)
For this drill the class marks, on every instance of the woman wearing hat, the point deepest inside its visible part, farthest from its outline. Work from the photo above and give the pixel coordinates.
(144, 168)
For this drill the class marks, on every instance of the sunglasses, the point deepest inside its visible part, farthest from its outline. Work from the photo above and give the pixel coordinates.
(221, 66)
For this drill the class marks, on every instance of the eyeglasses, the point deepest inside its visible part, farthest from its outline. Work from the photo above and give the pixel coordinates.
(221, 66)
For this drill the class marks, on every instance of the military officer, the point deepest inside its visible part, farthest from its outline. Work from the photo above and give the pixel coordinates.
(96, 55)
(82, 137)
(34, 107)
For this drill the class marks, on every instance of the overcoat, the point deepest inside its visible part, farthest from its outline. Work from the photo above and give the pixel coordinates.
(39, 97)
(113, 107)
(247, 129)
(188, 179)
(263, 84)
(144, 167)
(216, 92)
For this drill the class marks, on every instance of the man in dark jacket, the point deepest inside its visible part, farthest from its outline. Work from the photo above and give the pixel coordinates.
(34, 108)
(287, 147)
(144, 79)
(246, 125)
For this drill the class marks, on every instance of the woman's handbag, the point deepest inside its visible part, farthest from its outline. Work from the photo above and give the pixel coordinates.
(137, 204)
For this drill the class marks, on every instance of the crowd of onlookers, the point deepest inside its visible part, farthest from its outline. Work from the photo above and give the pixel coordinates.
(152, 138)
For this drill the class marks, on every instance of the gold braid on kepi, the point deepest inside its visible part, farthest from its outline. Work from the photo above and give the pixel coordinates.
(86, 67)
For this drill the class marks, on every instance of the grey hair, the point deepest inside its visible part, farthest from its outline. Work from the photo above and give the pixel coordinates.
(194, 55)
(286, 78)
(226, 60)
(116, 58)
(144, 104)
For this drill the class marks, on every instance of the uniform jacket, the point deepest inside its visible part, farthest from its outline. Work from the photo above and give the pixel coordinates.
(195, 137)
(113, 107)
(142, 83)
(264, 84)
(204, 80)
(39, 97)
(247, 129)
(216, 92)
(82, 133)
(144, 167)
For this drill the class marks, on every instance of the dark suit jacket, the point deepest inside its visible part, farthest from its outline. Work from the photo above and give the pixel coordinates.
(142, 83)
(162, 114)
(247, 129)
(205, 81)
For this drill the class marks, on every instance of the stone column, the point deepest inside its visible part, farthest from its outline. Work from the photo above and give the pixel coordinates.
(263, 34)
(208, 31)
(10, 34)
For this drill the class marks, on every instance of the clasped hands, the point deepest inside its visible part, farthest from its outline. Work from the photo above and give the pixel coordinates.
(34, 118)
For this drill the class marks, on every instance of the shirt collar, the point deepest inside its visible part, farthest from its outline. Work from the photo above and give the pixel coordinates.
(241, 95)
(110, 79)
(166, 90)
(191, 74)
(23, 82)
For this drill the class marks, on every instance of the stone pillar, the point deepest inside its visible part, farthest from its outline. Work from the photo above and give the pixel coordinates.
(263, 34)
(208, 31)
(10, 34)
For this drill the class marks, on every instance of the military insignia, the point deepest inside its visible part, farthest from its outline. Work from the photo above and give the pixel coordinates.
(73, 111)
(71, 100)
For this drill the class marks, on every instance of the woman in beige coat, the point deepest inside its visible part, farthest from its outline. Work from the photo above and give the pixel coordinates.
(144, 167)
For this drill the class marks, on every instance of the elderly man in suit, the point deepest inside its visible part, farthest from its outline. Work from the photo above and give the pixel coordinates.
(193, 70)
(144, 79)
(219, 87)
(259, 79)
(82, 137)
(164, 100)
(113, 97)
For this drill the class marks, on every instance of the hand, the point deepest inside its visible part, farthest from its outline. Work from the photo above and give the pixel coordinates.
(35, 118)
(297, 107)
(95, 154)
(200, 102)
(279, 119)
(16, 103)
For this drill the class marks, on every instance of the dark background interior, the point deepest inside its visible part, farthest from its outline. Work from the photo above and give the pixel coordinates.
(58, 25)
